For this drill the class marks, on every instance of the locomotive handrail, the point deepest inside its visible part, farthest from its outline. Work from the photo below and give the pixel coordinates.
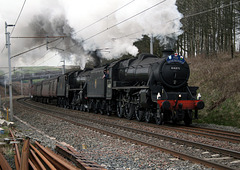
(75, 89)
(190, 92)
(165, 93)
(130, 87)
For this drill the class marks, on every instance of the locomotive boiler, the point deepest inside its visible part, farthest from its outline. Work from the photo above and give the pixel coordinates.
(146, 88)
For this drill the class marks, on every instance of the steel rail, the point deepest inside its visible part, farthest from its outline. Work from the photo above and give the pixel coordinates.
(169, 151)
(32, 161)
(56, 160)
(36, 161)
(17, 157)
(78, 159)
(232, 153)
(215, 131)
(189, 130)
(47, 162)
(219, 137)
(214, 136)
(172, 152)
(32, 165)
(25, 155)
(3, 163)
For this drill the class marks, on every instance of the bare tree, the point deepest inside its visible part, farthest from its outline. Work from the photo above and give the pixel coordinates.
(209, 27)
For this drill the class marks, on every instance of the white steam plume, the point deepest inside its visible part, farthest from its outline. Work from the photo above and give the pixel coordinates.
(68, 17)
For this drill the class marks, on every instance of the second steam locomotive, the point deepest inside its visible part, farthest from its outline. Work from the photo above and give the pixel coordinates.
(146, 88)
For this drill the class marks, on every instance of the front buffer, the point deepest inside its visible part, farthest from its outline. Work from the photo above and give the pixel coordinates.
(178, 110)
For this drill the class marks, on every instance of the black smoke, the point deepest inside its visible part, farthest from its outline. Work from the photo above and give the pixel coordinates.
(41, 25)
(44, 26)
(96, 56)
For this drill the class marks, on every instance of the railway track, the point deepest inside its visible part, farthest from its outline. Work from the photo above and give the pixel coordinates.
(33, 155)
(222, 135)
(223, 161)
(212, 133)
(217, 134)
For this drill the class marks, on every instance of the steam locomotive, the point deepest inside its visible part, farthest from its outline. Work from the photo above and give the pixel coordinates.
(146, 88)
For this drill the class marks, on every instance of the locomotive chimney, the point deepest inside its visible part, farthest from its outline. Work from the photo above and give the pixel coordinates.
(167, 52)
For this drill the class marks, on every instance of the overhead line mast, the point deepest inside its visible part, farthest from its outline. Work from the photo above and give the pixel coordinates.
(10, 69)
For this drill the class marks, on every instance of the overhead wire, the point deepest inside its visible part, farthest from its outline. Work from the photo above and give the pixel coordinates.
(32, 50)
(118, 23)
(84, 27)
(18, 17)
(202, 12)
(104, 17)
(76, 31)
(125, 20)
(16, 22)
(35, 48)
(46, 54)
(206, 11)
(191, 15)
(108, 28)
(43, 55)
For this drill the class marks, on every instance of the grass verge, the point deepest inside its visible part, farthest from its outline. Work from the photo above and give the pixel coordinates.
(219, 84)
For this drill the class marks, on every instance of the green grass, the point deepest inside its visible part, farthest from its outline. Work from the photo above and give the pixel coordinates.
(226, 114)
(6, 149)
(219, 84)
(6, 132)
(30, 70)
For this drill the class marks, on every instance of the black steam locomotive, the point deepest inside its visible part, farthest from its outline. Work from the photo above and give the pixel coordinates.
(146, 88)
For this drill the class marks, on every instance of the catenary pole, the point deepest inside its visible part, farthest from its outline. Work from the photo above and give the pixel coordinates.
(10, 68)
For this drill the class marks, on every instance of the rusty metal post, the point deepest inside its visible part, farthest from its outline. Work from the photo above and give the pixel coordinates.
(17, 154)
(25, 155)
(3, 163)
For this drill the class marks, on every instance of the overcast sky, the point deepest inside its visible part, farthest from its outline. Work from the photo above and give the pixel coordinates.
(120, 23)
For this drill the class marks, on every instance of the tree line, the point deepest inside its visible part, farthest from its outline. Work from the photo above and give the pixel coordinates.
(209, 27)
